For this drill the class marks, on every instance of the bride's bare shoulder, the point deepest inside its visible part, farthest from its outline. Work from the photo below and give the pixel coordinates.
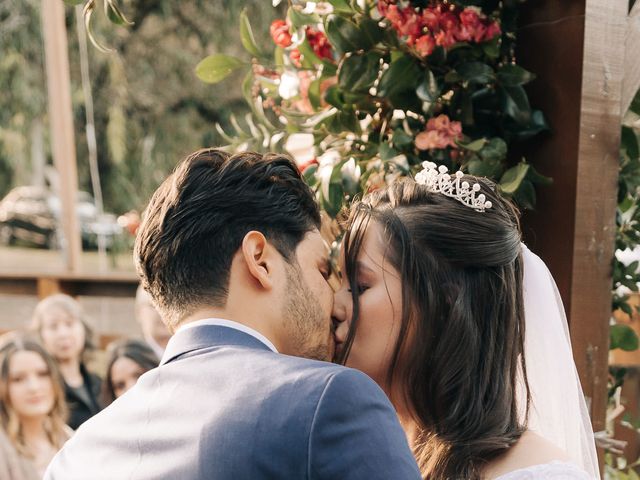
(530, 450)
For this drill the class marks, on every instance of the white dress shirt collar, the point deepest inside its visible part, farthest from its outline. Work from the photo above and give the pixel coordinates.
(230, 324)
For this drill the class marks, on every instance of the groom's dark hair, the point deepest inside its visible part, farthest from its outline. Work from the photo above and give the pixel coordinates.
(197, 218)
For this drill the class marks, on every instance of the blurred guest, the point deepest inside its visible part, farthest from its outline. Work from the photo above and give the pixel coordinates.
(154, 331)
(32, 409)
(128, 359)
(59, 322)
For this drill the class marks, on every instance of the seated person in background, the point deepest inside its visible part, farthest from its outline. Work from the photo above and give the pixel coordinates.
(127, 360)
(154, 331)
(58, 321)
(32, 409)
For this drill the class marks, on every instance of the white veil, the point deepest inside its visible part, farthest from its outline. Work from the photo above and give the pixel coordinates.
(558, 409)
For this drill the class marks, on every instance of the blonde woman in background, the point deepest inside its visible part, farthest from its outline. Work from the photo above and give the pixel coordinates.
(59, 322)
(32, 409)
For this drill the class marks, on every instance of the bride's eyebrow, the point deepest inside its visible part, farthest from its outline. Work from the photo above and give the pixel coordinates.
(362, 268)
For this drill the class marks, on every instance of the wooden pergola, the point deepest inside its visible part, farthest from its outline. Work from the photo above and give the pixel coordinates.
(583, 53)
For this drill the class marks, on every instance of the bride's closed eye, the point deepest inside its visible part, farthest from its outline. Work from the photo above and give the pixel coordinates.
(361, 289)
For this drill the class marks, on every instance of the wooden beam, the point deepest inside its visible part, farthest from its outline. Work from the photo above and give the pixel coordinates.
(596, 196)
(631, 83)
(61, 124)
(575, 50)
(107, 285)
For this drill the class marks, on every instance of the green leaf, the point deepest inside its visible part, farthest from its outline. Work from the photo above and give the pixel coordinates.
(623, 337)
(495, 149)
(114, 14)
(484, 168)
(333, 96)
(476, 72)
(341, 6)
(216, 68)
(246, 35)
(73, 2)
(635, 104)
(474, 146)
(492, 48)
(358, 72)
(512, 75)
(387, 152)
(371, 30)
(516, 104)
(525, 196)
(299, 19)
(629, 142)
(537, 178)
(344, 35)
(428, 90)
(512, 178)
(401, 138)
(314, 93)
(401, 76)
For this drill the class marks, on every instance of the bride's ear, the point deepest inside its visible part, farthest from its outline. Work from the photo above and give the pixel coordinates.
(260, 259)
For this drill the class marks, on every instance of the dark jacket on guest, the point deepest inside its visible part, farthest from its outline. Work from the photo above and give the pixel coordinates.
(83, 405)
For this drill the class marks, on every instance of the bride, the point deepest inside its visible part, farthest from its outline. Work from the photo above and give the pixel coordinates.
(461, 325)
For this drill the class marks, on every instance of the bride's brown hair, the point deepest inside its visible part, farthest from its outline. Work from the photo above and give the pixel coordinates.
(461, 343)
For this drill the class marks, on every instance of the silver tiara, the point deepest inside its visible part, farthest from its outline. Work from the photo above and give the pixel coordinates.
(437, 179)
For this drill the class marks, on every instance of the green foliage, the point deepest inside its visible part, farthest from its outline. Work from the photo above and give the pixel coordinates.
(623, 337)
(364, 94)
(625, 277)
(216, 68)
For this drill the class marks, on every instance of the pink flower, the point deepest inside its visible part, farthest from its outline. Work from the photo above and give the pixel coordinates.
(431, 18)
(448, 21)
(445, 38)
(425, 45)
(469, 18)
(296, 57)
(440, 132)
(441, 122)
(493, 30)
(431, 139)
(280, 33)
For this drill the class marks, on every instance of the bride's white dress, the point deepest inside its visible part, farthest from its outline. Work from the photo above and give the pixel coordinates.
(548, 471)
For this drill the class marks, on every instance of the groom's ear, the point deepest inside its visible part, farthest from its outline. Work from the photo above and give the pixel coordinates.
(260, 257)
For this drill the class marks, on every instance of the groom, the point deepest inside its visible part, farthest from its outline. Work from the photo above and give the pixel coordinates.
(231, 254)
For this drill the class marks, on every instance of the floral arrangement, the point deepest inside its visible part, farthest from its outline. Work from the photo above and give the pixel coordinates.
(361, 92)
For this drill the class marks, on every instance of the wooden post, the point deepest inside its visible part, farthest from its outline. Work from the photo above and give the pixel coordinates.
(576, 49)
(61, 124)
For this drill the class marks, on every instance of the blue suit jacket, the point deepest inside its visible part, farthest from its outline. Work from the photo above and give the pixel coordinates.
(223, 406)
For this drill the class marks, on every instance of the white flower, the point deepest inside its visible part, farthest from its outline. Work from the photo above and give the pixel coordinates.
(300, 147)
(327, 161)
(289, 85)
(351, 170)
(319, 8)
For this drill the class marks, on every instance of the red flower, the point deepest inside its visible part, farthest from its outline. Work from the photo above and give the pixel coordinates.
(448, 22)
(296, 57)
(445, 38)
(469, 18)
(493, 30)
(425, 45)
(431, 18)
(304, 165)
(319, 43)
(280, 33)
